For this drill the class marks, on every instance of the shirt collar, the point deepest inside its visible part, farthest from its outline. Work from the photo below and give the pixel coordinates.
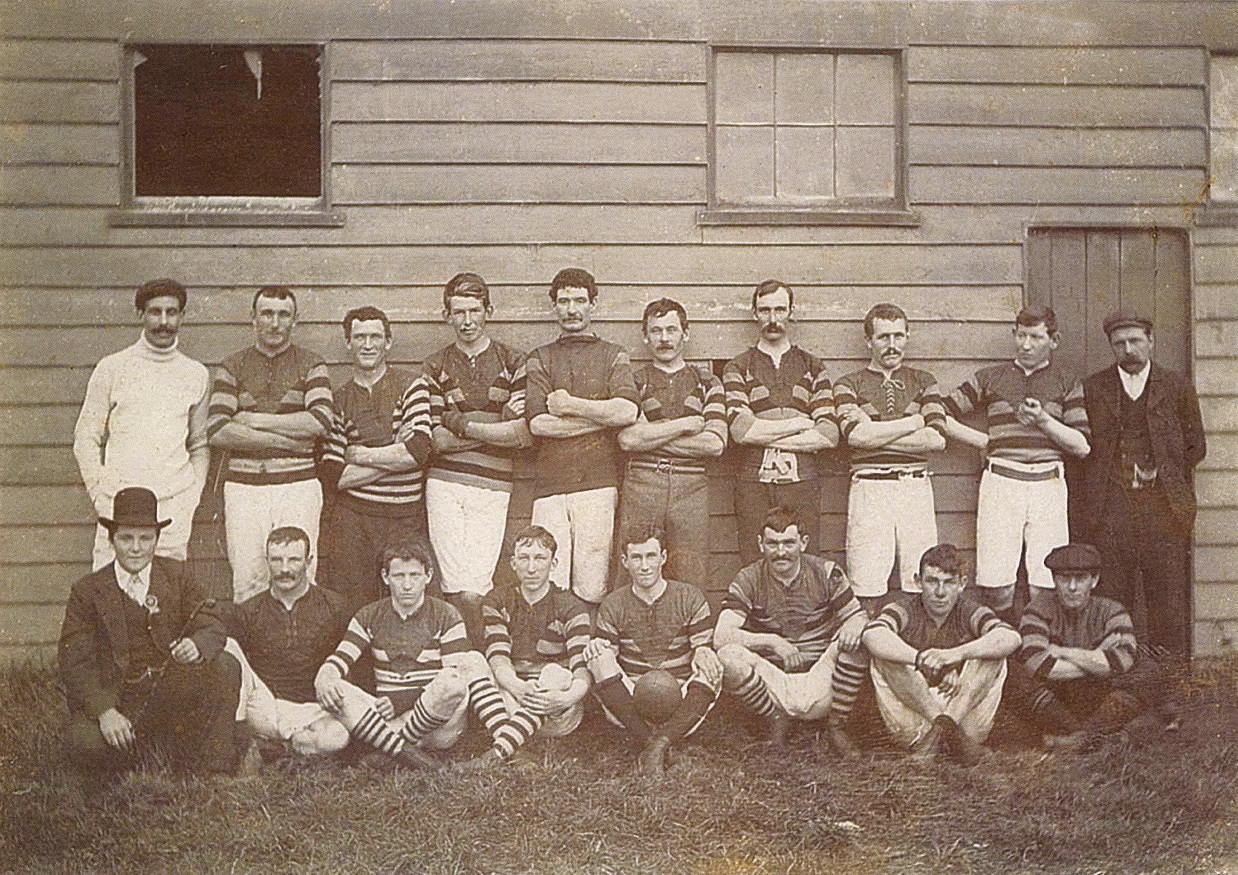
(485, 345)
(769, 575)
(139, 591)
(1039, 367)
(1134, 384)
(579, 337)
(640, 598)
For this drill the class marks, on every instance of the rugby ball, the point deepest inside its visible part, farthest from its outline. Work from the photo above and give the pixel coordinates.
(656, 695)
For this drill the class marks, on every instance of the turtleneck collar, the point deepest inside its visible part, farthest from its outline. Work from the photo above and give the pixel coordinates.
(153, 352)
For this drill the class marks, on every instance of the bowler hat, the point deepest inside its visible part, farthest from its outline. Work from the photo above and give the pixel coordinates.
(134, 506)
(1125, 319)
(1073, 557)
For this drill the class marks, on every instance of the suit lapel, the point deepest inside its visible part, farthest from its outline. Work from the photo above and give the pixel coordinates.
(1114, 390)
(111, 611)
(1157, 386)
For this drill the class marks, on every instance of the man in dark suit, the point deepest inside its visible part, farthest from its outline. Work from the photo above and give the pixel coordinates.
(1139, 505)
(141, 655)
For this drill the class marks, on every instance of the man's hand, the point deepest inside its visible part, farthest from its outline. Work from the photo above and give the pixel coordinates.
(935, 662)
(329, 688)
(596, 647)
(693, 424)
(455, 422)
(186, 652)
(117, 730)
(789, 655)
(1031, 413)
(949, 681)
(853, 414)
(355, 454)
(543, 702)
(851, 630)
(559, 403)
(385, 709)
(706, 664)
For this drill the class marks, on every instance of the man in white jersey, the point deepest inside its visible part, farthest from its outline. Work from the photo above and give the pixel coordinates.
(143, 422)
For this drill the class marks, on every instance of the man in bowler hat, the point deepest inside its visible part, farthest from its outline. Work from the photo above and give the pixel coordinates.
(141, 655)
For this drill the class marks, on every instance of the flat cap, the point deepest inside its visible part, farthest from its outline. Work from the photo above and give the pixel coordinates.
(1073, 557)
(1125, 319)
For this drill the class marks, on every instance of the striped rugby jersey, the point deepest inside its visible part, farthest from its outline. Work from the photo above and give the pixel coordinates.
(807, 612)
(903, 393)
(396, 408)
(907, 618)
(493, 383)
(294, 381)
(553, 629)
(754, 387)
(999, 390)
(408, 652)
(690, 391)
(1101, 622)
(662, 635)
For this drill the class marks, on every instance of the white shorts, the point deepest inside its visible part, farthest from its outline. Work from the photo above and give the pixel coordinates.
(466, 525)
(980, 681)
(1011, 513)
(251, 512)
(266, 716)
(803, 695)
(888, 519)
(683, 691)
(552, 677)
(583, 524)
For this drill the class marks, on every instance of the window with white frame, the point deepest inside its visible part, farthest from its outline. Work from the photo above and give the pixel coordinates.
(799, 132)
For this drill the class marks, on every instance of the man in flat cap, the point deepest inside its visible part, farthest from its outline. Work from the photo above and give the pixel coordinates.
(141, 655)
(1077, 675)
(1139, 505)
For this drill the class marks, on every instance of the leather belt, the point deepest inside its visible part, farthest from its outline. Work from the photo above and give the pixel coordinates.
(666, 466)
(887, 475)
(1001, 470)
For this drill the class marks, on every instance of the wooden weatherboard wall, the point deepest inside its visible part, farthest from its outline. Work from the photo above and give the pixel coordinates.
(516, 138)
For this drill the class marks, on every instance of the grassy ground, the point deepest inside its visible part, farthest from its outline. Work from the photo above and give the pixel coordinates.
(577, 806)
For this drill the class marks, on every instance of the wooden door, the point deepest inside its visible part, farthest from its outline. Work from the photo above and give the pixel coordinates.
(1085, 274)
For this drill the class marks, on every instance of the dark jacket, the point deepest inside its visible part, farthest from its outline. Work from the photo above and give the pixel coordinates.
(94, 648)
(1175, 429)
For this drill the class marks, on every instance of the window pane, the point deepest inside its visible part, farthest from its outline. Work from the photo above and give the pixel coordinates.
(744, 87)
(865, 90)
(865, 162)
(804, 88)
(745, 164)
(805, 162)
(227, 121)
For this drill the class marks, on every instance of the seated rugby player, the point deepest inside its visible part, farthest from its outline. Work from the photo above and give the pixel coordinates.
(1079, 676)
(939, 662)
(789, 633)
(425, 674)
(535, 644)
(653, 668)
